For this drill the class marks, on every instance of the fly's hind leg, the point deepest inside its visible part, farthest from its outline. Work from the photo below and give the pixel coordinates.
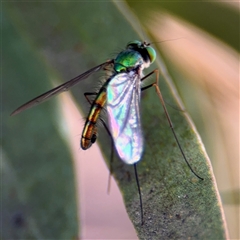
(111, 156)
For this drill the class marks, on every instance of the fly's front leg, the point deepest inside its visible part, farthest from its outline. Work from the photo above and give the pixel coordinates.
(157, 88)
(155, 84)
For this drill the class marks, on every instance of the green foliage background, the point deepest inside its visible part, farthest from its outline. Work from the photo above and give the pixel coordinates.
(45, 40)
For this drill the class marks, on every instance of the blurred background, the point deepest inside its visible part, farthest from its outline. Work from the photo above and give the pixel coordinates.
(44, 44)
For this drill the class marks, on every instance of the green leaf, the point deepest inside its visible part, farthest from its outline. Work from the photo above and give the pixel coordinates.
(61, 38)
(37, 176)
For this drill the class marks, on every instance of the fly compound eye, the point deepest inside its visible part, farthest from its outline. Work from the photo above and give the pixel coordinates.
(151, 53)
(134, 44)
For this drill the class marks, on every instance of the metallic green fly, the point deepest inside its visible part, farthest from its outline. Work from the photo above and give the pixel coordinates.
(121, 94)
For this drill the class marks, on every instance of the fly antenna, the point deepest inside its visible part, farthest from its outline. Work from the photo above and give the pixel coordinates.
(169, 40)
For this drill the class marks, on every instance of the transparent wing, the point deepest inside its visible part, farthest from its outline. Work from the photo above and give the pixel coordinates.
(123, 101)
(61, 88)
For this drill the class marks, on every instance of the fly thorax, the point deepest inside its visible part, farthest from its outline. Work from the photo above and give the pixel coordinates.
(128, 60)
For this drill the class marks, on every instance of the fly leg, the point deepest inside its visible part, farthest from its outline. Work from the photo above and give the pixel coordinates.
(111, 156)
(155, 84)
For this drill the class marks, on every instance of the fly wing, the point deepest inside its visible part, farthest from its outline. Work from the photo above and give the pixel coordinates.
(123, 101)
(61, 88)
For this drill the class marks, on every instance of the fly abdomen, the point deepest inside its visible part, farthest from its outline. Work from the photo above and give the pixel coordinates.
(89, 134)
